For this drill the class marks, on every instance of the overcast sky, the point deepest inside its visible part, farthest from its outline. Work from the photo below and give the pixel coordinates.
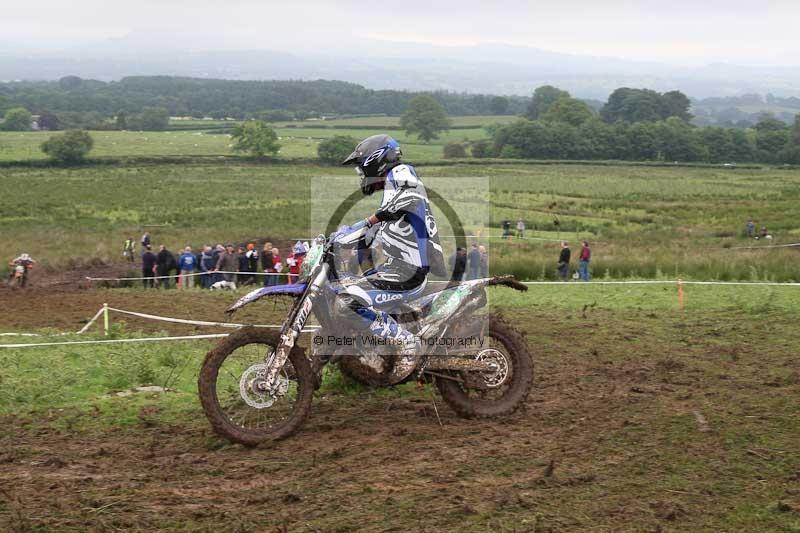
(677, 31)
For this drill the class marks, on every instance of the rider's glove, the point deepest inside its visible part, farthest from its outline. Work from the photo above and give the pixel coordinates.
(349, 235)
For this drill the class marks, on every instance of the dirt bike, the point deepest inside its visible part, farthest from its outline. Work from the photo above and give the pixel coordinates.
(19, 276)
(257, 384)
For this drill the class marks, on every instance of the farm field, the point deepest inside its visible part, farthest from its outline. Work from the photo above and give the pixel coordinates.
(298, 140)
(643, 222)
(641, 416)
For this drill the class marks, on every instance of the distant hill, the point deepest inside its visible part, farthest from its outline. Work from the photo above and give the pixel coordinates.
(486, 68)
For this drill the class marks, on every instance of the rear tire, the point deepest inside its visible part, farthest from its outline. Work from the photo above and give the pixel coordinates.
(515, 350)
(219, 417)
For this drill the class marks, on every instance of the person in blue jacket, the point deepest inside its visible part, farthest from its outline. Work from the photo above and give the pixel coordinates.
(187, 264)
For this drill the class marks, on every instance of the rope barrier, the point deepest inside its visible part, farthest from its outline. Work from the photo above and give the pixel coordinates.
(765, 247)
(111, 341)
(194, 274)
(646, 282)
(197, 322)
(661, 282)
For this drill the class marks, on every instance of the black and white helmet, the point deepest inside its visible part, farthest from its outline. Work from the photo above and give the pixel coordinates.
(373, 158)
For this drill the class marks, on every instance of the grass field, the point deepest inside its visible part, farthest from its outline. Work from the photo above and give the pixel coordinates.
(296, 143)
(298, 140)
(643, 222)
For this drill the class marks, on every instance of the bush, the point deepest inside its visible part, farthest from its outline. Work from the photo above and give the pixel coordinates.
(482, 149)
(68, 147)
(334, 149)
(255, 137)
(17, 119)
(454, 150)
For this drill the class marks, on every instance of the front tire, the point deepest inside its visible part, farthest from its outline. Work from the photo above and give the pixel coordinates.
(220, 395)
(506, 343)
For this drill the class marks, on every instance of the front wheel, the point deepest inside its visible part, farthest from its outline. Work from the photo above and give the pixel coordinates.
(499, 392)
(235, 398)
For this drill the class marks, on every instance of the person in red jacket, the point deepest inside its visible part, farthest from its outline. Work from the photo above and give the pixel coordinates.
(295, 261)
(583, 262)
(277, 267)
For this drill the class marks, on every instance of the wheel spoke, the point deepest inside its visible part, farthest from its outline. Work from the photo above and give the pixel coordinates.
(249, 408)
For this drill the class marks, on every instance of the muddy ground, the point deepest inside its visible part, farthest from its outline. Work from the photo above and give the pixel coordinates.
(638, 420)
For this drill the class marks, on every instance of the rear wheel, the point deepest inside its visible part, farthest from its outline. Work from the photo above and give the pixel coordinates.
(236, 399)
(498, 392)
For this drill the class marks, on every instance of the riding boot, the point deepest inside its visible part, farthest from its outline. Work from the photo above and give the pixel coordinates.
(407, 358)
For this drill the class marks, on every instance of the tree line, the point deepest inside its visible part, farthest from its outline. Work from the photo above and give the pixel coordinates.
(634, 125)
(263, 100)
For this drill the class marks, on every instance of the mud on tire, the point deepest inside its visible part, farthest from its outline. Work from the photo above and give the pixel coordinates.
(207, 385)
(457, 396)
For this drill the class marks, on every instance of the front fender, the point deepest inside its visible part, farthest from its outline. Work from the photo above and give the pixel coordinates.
(295, 289)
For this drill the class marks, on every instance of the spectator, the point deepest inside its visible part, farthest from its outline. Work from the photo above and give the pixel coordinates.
(751, 229)
(520, 229)
(128, 249)
(458, 264)
(207, 265)
(764, 233)
(563, 261)
(187, 264)
(277, 266)
(228, 263)
(145, 242)
(295, 261)
(583, 262)
(198, 259)
(484, 261)
(267, 265)
(251, 256)
(218, 251)
(241, 279)
(148, 267)
(474, 262)
(165, 263)
(506, 229)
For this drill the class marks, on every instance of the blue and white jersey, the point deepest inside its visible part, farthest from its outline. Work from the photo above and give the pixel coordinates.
(407, 229)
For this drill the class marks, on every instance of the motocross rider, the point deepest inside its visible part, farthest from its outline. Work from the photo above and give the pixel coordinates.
(25, 261)
(406, 229)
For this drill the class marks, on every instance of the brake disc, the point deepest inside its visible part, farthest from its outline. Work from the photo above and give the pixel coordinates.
(500, 368)
(256, 392)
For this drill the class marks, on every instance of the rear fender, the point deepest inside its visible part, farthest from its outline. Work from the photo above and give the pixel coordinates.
(295, 289)
(449, 302)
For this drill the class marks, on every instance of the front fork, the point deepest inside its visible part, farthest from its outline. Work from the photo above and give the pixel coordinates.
(290, 333)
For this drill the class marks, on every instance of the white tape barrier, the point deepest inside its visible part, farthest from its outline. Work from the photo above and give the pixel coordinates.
(764, 247)
(199, 322)
(112, 341)
(194, 274)
(92, 320)
(665, 282)
(644, 282)
(149, 317)
(508, 238)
